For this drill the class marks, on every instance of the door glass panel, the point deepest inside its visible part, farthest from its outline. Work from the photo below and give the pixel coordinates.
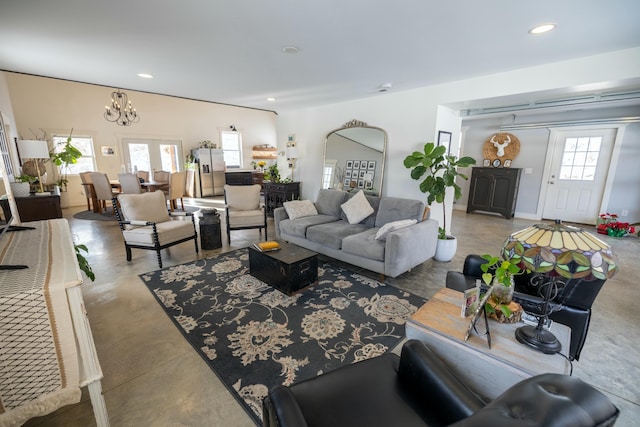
(139, 155)
(580, 158)
(169, 157)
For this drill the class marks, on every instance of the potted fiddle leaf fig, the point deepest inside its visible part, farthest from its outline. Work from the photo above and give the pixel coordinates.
(437, 173)
(64, 156)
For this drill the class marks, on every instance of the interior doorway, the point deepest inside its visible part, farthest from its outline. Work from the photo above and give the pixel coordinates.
(577, 173)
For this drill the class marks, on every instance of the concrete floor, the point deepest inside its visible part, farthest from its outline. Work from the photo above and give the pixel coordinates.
(152, 376)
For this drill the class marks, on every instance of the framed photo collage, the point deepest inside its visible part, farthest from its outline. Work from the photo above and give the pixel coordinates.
(359, 174)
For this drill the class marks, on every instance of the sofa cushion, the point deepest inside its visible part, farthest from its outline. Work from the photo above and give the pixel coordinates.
(331, 234)
(365, 245)
(299, 208)
(391, 226)
(298, 227)
(374, 201)
(357, 208)
(394, 209)
(329, 201)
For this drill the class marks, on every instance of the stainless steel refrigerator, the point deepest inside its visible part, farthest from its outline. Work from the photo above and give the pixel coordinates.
(211, 169)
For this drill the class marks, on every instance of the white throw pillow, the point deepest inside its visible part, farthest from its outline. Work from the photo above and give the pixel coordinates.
(299, 208)
(393, 226)
(357, 208)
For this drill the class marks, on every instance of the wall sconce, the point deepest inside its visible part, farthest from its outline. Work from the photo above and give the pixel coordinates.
(292, 153)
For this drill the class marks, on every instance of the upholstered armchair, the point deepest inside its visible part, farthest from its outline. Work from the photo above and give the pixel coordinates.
(244, 209)
(571, 306)
(146, 223)
(418, 389)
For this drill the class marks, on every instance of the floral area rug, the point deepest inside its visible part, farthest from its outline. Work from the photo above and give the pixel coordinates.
(255, 337)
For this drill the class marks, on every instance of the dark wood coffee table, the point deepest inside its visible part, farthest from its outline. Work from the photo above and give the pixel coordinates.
(288, 269)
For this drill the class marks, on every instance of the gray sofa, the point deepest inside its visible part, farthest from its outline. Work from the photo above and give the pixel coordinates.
(330, 234)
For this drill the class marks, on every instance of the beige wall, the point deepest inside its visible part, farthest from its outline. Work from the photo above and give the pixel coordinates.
(56, 106)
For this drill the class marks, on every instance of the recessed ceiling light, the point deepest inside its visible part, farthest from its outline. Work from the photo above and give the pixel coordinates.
(290, 49)
(145, 75)
(271, 99)
(384, 87)
(544, 28)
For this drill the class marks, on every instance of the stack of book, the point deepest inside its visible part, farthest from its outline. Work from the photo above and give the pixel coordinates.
(267, 246)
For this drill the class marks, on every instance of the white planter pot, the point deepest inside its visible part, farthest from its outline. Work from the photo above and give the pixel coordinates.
(446, 249)
(20, 189)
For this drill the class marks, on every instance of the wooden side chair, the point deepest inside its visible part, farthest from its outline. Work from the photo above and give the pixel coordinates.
(129, 183)
(162, 177)
(89, 192)
(244, 209)
(176, 190)
(103, 190)
(143, 175)
(146, 223)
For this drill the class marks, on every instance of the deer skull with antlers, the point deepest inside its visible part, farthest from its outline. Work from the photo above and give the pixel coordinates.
(500, 145)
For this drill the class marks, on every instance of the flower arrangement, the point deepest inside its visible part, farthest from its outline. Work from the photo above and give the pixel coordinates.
(262, 164)
(608, 224)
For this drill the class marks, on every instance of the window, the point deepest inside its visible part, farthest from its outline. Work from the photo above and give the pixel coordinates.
(232, 148)
(580, 158)
(86, 163)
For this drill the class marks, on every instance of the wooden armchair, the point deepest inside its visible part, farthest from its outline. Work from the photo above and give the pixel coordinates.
(243, 209)
(146, 223)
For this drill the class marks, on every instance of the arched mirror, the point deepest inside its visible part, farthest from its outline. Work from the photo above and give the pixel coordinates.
(354, 158)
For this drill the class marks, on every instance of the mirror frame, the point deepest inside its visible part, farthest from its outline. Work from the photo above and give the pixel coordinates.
(359, 124)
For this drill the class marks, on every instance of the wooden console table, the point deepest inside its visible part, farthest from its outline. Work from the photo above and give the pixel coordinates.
(47, 351)
(35, 208)
(489, 372)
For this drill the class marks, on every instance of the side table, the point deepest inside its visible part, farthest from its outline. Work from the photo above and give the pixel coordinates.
(276, 193)
(489, 372)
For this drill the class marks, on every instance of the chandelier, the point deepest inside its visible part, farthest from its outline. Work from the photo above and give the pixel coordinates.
(121, 110)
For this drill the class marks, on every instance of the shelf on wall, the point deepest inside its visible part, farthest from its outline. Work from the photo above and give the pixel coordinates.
(265, 151)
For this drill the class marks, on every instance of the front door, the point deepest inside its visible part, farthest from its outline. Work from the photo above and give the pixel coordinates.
(578, 175)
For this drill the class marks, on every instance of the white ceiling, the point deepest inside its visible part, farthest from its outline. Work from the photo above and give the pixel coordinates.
(230, 51)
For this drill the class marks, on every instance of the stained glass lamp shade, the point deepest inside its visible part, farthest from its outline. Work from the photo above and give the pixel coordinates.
(558, 252)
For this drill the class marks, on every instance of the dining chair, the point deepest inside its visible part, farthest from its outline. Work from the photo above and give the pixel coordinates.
(103, 190)
(176, 190)
(89, 192)
(143, 175)
(163, 178)
(244, 209)
(129, 183)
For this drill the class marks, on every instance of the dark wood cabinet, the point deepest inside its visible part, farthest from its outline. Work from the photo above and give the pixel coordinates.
(35, 208)
(238, 178)
(276, 193)
(494, 190)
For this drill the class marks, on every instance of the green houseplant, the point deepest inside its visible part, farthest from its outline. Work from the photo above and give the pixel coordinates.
(64, 156)
(498, 275)
(437, 172)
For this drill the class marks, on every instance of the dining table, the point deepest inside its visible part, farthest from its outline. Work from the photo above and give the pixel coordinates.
(154, 185)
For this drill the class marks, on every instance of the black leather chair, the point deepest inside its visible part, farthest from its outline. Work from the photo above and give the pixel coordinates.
(418, 389)
(571, 306)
